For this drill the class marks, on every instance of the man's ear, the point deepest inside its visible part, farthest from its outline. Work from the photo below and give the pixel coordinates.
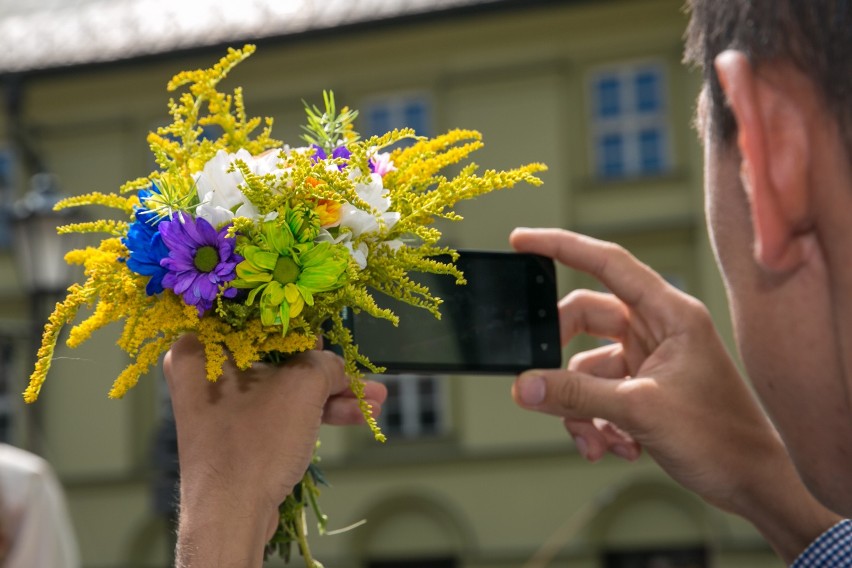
(773, 142)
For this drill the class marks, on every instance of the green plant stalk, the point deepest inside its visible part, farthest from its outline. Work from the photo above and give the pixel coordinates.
(302, 538)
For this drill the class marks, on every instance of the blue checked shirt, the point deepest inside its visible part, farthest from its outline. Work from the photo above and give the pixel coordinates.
(833, 549)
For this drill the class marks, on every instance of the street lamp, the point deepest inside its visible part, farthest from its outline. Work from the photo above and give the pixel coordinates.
(39, 253)
(39, 250)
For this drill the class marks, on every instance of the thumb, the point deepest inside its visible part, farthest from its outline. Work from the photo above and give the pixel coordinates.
(568, 394)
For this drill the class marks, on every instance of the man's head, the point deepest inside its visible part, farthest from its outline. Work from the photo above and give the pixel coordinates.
(813, 35)
(776, 118)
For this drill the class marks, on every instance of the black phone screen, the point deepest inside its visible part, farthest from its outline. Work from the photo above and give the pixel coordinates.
(503, 320)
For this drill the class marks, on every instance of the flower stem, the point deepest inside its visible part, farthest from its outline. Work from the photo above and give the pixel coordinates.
(302, 539)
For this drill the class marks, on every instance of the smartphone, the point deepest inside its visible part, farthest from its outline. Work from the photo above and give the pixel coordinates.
(503, 321)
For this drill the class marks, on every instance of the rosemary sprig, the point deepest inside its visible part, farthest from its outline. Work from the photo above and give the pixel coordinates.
(326, 128)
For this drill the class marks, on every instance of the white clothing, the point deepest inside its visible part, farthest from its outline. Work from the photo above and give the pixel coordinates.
(33, 515)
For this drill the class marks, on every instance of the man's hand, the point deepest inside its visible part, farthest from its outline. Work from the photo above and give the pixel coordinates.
(245, 441)
(667, 384)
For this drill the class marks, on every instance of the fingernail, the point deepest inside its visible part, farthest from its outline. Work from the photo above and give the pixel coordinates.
(531, 389)
(623, 452)
(582, 446)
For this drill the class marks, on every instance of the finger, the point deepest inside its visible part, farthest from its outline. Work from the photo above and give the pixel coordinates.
(633, 282)
(345, 411)
(569, 394)
(592, 313)
(606, 361)
(185, 358)
(330, 366)
(595, 438)
(618, 441)
(186, 345)
(590, 443)
(373, 390)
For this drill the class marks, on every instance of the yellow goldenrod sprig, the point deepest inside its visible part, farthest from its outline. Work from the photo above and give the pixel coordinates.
(147, 357)
(64, 312)
(185, 145)
(109, 226)
(110, 200)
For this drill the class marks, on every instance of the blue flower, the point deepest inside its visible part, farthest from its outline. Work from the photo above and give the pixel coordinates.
(146, 245)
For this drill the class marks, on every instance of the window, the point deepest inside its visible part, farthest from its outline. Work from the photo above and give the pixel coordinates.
(7, 186)
(382, 114)
(629, 121)
(414, 407)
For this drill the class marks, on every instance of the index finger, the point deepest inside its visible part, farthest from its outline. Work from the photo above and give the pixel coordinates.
(329, 364)
(624, 275)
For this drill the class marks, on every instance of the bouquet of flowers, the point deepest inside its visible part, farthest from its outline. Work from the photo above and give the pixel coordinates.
(258, 247)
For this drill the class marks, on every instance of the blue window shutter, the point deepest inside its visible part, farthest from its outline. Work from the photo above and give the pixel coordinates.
(647, 89)
(651, 151)
(415, 115)
(611, 152)
(379, 120)
(608, 93)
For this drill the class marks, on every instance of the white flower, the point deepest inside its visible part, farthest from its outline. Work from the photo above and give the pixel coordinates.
(355, 222)
(359, 221)
(359, 255)
(267, 163)
(219, 192)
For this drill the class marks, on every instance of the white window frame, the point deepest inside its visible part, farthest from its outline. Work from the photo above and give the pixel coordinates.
(395, 104)
(411, 405)
(629, 122)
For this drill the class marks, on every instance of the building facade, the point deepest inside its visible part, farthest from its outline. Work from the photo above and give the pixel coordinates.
(597, 91)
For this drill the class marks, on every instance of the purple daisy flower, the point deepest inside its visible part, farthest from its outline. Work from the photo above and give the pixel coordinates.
(200, 260)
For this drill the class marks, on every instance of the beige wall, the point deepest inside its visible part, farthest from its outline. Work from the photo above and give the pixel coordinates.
(503, 483)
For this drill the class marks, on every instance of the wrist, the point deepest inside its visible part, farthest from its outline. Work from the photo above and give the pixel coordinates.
(221, 527)
(779, 505)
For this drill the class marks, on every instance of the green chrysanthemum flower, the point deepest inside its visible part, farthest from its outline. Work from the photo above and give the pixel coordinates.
(286, 272)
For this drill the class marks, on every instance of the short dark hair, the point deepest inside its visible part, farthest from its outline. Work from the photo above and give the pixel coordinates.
(814, 35)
